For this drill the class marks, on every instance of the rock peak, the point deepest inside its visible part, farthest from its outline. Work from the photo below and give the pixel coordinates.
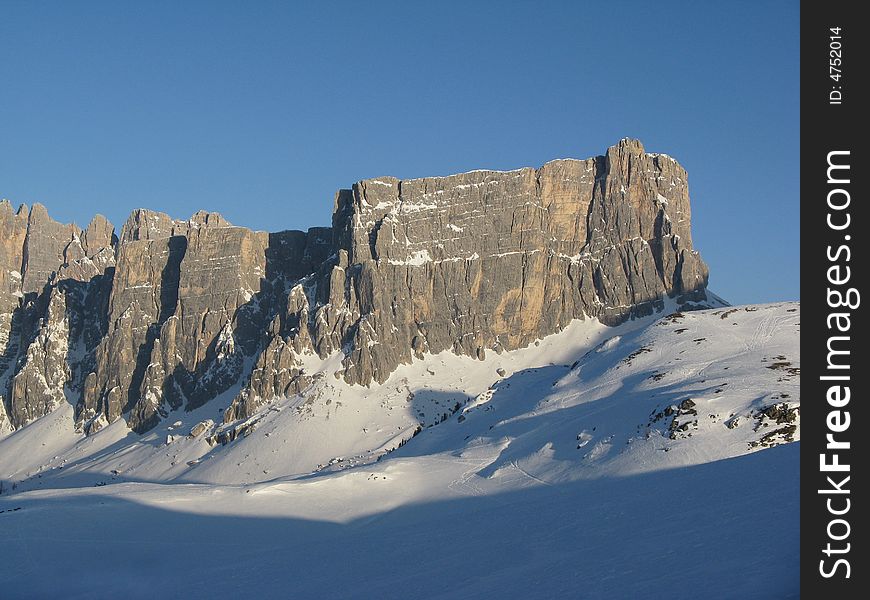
(630, 144)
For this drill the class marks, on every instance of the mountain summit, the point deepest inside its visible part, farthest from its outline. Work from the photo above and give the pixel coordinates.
(170, 313)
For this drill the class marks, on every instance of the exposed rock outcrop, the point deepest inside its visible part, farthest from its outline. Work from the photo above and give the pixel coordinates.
(53, 282)
(172, 313)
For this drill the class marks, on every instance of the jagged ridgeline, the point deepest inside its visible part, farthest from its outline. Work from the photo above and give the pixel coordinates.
(169, 314)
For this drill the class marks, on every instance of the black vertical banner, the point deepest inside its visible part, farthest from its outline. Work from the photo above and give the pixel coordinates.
(835, 432)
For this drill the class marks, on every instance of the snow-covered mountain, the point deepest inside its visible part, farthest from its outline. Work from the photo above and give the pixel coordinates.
(493, 384)
(650, 459)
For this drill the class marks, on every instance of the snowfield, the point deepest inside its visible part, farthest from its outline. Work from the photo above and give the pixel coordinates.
(657, 459)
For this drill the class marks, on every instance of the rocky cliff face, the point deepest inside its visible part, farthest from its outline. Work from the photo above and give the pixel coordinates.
(171, 313)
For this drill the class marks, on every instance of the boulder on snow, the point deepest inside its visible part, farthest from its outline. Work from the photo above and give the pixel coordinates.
(201, 428)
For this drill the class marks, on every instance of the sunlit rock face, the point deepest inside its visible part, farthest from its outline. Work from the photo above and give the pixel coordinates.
(171, 313)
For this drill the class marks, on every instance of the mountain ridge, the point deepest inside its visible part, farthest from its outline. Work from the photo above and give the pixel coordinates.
(171, 313)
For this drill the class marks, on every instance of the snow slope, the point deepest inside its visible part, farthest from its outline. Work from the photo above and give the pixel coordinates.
(601, 462)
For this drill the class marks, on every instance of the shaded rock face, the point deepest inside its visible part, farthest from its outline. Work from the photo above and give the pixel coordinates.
(189, 301)
(173, 313)
(54, 280)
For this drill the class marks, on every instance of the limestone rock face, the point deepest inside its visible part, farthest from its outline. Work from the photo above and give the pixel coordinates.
(173, 313)
(44, 248)
(484, 261)
(89, 253)
(13, 230)
(53, 282)
(144, 224)
(190, 300)
(38, 386)
(171, 298)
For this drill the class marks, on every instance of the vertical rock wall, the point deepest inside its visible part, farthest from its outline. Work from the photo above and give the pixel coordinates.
(172, 313)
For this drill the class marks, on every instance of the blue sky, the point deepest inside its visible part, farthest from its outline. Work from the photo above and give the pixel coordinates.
(262, 110)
